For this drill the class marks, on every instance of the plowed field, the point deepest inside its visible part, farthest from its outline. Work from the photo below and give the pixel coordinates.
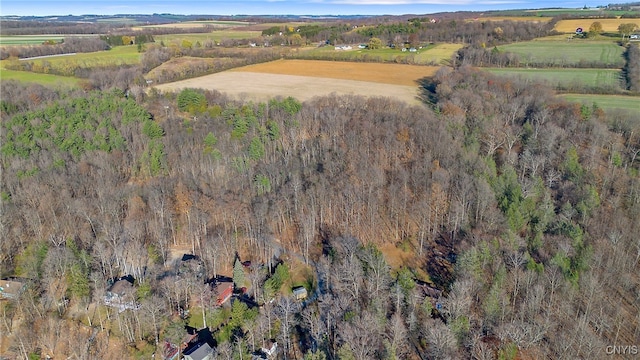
(304, 79)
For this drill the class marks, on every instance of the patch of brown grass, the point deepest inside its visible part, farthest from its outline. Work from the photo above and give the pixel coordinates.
(608, 25)
(395, 74)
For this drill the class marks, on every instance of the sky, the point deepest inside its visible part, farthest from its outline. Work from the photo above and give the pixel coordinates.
(274, 7)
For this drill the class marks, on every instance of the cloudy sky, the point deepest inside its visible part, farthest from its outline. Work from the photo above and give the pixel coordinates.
(267, 7)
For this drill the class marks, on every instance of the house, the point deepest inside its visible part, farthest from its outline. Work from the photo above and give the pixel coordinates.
(122, 294)
(299, 292)
(269, 348)
(11, 288)
(222, 291)
(191, 264)
(200, 351)
(426, 291)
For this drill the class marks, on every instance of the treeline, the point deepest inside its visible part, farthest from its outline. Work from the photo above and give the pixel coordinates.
(68, 45)
(631, 70)
(32, 27)
(515, 204)
(492, 57)
(462, 31)
(204, 59)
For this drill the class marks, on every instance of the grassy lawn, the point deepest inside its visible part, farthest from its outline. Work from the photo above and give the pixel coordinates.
(43, 79)
(566, 77)
(607, 102)
(567, 52)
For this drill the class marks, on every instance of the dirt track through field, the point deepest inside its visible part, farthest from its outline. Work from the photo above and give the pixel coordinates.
(305, 79)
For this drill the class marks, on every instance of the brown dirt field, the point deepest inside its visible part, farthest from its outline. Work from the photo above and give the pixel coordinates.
(394, 74)
(609, 25)
(305, 79)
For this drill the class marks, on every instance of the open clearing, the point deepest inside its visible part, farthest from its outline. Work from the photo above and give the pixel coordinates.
(195, 25)
(14, 40)
(216, 35)
(304, 80)
(609, 25)
(394, 74)
(433, 54)
(607, 102)
(515, 18)
(609, 78)
(562, 53)
(43, 79)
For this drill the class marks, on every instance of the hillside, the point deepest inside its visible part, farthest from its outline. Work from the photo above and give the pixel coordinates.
(269, 206)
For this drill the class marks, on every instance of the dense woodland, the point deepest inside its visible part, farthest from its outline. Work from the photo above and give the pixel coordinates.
(519, 208)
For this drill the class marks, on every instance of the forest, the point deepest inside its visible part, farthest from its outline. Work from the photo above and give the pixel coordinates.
(493, 221)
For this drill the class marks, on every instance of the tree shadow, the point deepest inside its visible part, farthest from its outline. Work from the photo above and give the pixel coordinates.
(427, 91)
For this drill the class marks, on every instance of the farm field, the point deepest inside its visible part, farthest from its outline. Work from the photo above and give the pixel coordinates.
(562, 53)
(604, 78)
(516, 18)
(609, 25)
(120, 55)
(607, 102)
(306, 79)
(42, 79)
(393, 74)
(430, 55)
(216, 35)
(195, 25)
(15, 40)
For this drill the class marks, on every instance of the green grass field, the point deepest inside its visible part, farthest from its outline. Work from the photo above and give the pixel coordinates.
(66, 65)
(567, 52)
(574, 78)
(119, 55)
(428, 55)
(15, 40)
(42, 79)
(217, 35)
(607, 102)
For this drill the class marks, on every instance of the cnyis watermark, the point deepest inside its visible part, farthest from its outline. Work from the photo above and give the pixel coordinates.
(621, 350)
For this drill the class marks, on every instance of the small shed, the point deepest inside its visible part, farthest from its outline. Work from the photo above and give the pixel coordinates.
(299, 292)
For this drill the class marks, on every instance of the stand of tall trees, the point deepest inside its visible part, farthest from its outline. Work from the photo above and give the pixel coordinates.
(521, 208)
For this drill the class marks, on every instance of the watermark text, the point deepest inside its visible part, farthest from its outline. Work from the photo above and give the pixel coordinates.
(621, 350)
